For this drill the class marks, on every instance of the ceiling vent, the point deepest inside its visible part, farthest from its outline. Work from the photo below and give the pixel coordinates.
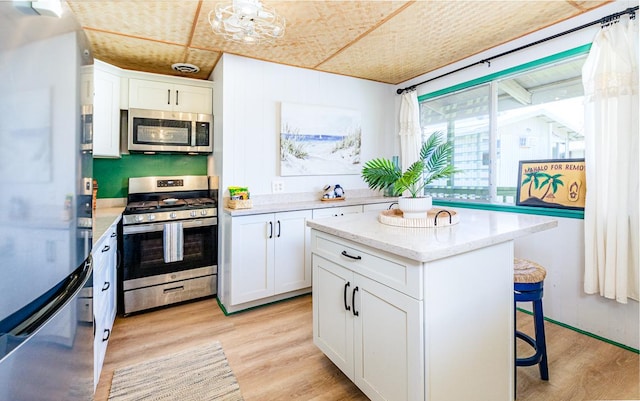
(185, 68)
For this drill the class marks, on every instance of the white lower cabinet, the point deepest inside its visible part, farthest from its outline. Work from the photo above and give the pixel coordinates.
(372, 332)
(269, 256)
(104, 295)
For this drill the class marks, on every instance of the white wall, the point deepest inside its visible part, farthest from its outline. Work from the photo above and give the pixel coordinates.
(560, 250)
(248, 95)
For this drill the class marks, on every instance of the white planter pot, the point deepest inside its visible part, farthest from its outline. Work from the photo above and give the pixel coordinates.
(415, 208)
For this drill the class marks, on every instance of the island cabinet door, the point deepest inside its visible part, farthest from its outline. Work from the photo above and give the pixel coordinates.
(388, 333)
(371, 332)
(332, 313)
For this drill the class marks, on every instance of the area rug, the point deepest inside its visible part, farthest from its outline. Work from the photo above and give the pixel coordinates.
(197, 374)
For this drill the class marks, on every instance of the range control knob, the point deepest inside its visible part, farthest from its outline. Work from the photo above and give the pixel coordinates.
(151, 217)
(139, 218)
(193, 213)
(173, 215)
(203, 212)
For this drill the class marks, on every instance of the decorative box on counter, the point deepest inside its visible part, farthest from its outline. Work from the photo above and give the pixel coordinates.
(239, 204)
(239, 198)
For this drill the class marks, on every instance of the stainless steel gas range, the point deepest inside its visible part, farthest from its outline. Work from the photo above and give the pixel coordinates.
(170, 241)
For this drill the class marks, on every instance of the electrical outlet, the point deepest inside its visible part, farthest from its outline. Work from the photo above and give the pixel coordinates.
(277, 186)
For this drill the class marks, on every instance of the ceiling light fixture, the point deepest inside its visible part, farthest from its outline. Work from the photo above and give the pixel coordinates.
(246, 21)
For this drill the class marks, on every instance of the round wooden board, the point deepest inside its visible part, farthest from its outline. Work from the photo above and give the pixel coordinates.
(394, 217)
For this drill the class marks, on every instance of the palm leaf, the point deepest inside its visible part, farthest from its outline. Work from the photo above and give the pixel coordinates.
(380, 173)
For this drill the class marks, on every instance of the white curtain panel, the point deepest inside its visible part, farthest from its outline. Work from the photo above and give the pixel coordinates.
(410, 133)
(610, 79)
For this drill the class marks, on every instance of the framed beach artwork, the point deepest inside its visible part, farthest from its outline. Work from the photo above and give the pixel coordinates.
(318, 140)
(554, 183)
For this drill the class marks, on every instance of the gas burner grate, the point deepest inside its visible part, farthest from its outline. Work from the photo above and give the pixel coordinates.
(200, 202)
(141, 206)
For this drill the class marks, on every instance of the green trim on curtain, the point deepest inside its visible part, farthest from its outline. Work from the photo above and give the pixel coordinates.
(113, 174)
(509, 71)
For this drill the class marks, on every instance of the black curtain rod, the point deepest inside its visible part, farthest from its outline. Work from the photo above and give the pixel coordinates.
(604, 20)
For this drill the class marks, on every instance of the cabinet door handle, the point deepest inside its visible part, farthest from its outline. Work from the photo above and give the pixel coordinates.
(270, 229)
(177, 94)
(168, 96)
(353, 301)
(106, 248)
(113, 234)
(106, 334)
(278, 229)
(344, 253)
(106, 286)
(346, 307)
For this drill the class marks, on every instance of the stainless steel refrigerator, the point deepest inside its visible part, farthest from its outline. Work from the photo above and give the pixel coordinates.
(46, 339)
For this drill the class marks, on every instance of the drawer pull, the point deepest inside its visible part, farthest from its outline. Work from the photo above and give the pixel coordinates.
(344, 253)
(106, 286)
(346, 307)
(173, 289)
(353, 301)
(105, 335)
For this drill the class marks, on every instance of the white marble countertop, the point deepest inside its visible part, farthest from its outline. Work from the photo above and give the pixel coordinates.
(476, 229)
(308, 204)
(103, 218)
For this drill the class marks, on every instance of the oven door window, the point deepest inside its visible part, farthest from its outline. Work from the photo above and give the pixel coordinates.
(144, 252)
(152, 131)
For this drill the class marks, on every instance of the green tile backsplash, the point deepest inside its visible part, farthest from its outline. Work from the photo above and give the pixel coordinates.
(113, 174)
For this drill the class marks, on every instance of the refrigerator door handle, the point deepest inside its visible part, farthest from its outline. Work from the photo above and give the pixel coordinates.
(31, 317)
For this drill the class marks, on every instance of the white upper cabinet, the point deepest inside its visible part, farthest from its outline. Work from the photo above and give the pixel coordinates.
(167, 96)
(106, 111)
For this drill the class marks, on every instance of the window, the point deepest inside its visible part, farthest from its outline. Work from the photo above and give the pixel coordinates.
(531, 115)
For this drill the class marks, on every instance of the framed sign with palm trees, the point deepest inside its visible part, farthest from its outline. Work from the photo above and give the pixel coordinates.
(556, 183)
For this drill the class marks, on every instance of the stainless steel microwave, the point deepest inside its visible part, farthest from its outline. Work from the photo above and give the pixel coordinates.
(152, 131)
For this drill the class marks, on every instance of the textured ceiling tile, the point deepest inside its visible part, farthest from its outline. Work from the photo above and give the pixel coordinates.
(204, 59)
(136, 54)
(385, 41)
(430, 35)
(162, 20)
(315, 30)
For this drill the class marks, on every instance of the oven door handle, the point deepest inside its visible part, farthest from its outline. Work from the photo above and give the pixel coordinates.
(148, 228)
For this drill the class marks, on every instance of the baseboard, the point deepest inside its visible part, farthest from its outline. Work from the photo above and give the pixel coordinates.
(586, 333)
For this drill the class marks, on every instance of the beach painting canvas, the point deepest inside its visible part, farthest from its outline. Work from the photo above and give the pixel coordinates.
(319, 140)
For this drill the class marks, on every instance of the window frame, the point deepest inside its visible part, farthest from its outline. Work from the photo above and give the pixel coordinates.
(491, 80)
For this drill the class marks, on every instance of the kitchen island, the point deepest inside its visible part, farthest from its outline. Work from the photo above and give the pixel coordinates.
(419, 313)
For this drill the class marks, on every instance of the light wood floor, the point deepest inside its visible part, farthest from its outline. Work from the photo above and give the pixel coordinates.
(271, 352)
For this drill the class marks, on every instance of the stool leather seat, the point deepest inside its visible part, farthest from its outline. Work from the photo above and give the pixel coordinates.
(528, 286)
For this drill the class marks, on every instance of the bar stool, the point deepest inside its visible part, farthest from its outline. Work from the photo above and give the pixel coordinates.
(528, 282)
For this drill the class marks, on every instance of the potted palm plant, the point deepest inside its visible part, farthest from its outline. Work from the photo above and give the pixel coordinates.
(432, 164)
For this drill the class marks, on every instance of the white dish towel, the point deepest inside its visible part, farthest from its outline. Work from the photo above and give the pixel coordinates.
(173, 242)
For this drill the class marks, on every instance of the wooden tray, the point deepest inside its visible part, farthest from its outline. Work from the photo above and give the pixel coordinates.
(332, 199)
(394, 217)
